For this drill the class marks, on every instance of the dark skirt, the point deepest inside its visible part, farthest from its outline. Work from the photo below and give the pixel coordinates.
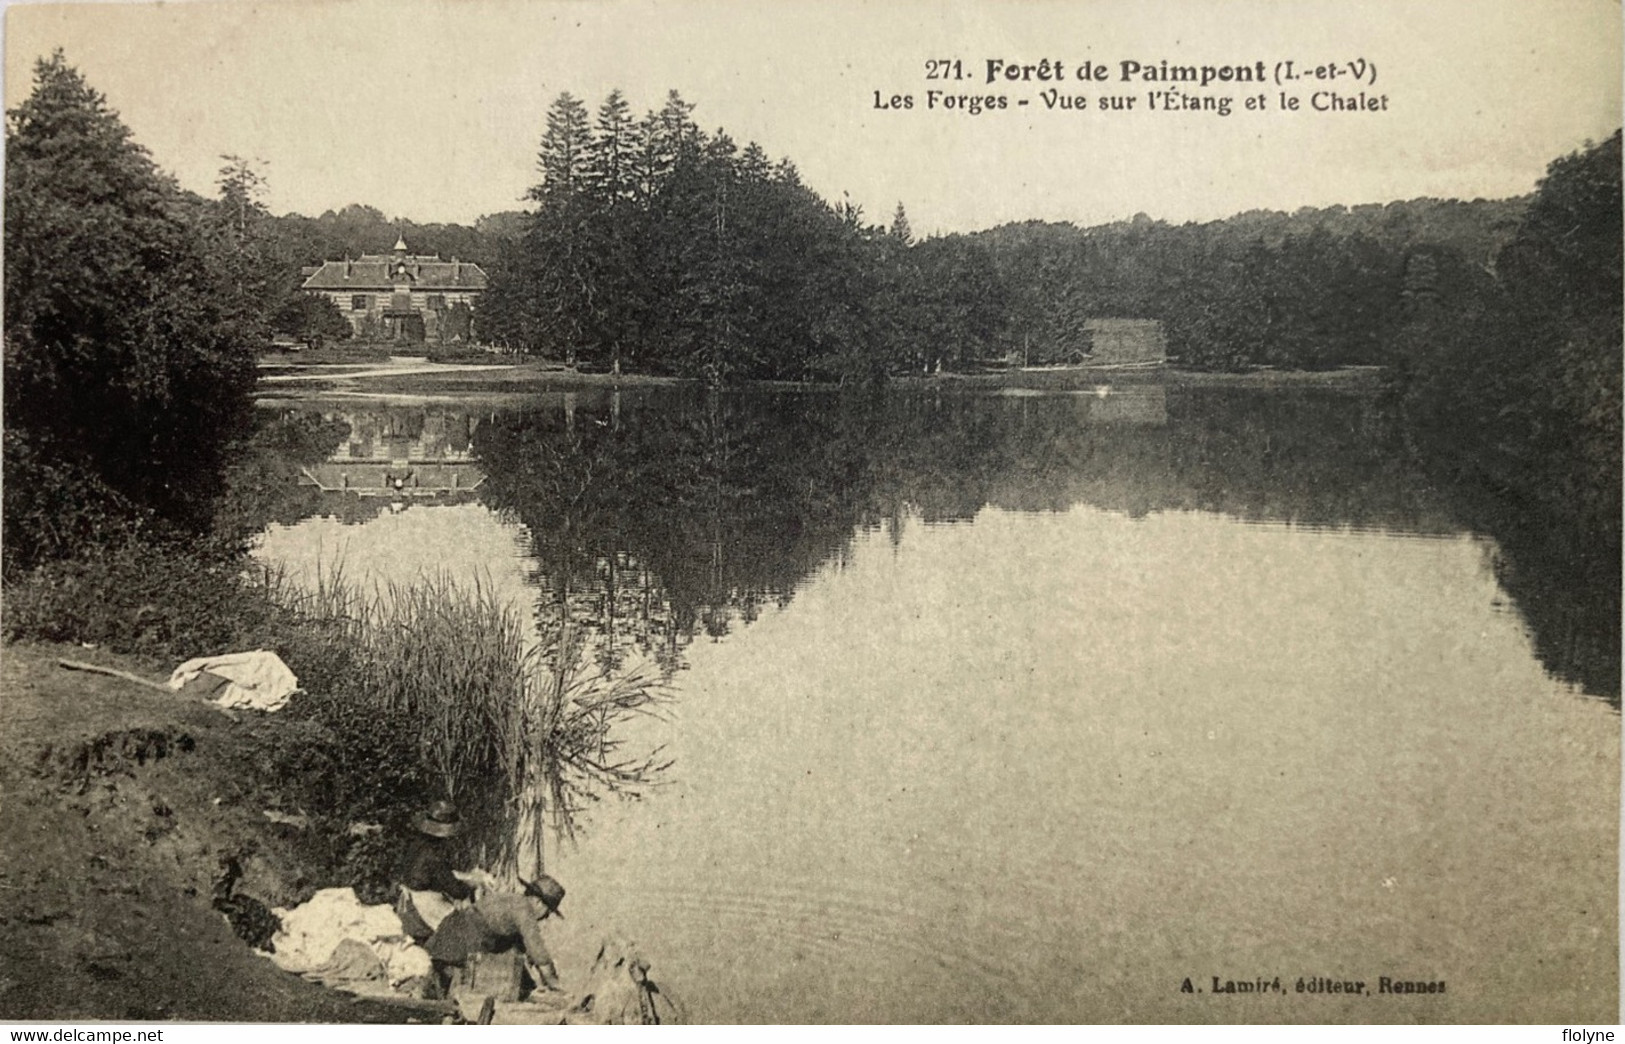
(462, 932)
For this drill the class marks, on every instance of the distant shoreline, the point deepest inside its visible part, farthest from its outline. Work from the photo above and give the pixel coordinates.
(300, 381)
(1082, 377)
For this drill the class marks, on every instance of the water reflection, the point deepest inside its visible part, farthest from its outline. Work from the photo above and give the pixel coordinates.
(1032, 768)
(417, 454)
(721, 505)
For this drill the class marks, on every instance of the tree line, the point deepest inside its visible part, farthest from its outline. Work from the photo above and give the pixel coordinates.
(1515, 389)
(1309, 291)
(655, 246)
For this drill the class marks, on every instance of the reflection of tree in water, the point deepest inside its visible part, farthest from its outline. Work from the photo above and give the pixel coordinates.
(682, 511)
(677, 512)
(1565, 582)
(617, 606)
(654, 521)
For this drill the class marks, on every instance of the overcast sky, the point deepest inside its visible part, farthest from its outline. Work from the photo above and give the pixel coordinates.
(432, 109)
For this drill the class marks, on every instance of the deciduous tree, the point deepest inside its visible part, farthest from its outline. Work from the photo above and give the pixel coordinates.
(119, 363)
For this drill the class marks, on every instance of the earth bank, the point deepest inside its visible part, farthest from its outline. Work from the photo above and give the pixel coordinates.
(118, 804)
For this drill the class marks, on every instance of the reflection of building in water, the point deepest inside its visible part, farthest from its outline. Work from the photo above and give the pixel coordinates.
(402, 435)
(1136, 404)
(401, 452)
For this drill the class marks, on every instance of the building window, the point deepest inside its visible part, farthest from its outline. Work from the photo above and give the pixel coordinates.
(358, 303)
(437, 302)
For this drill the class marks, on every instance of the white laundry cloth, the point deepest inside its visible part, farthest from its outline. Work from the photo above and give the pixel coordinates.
(403, 959)
(259, 680)
(312, 930)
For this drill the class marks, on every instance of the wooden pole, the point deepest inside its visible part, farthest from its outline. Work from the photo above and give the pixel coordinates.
(113, 672)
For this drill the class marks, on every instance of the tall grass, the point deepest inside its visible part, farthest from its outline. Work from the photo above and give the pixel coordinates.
(433, 688)
(450, 660)
(513, 729)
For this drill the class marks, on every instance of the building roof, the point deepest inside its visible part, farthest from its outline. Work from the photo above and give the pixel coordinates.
(373, 272)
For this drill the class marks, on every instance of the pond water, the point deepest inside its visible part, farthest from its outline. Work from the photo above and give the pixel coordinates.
(1028, 707)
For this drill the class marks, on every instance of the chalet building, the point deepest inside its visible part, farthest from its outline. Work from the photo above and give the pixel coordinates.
(402, 298)
(1117, 343)
(1126, 342)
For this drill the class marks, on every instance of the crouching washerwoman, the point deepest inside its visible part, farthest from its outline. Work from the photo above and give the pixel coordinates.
(499, 922)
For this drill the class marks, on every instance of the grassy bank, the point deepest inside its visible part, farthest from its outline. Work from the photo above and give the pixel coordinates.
(120, 802)
(416, 692)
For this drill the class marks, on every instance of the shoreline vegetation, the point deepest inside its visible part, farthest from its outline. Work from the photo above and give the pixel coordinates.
(120, 804)
(137, 474)
(419, 691)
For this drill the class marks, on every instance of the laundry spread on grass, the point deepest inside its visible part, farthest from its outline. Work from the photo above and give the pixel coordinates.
(257, 680)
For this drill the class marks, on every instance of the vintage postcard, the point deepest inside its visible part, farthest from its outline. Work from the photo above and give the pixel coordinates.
(944, 511)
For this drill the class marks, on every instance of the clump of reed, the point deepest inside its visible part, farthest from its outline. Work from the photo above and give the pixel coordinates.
(581, 753)
(512, 728)
(448, 662)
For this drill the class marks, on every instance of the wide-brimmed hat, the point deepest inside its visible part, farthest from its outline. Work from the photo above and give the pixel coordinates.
(440, 821)
(547, 890)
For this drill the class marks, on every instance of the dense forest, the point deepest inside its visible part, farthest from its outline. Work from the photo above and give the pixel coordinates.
(649, 245)
(1309, 290)
(657, 247)
(127, 317)
(1512, 396)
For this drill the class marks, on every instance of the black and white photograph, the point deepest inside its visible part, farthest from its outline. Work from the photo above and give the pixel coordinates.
(699, 512)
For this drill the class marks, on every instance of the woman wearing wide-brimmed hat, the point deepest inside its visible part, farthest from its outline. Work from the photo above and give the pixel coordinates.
(430, 890)
(500, 921)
